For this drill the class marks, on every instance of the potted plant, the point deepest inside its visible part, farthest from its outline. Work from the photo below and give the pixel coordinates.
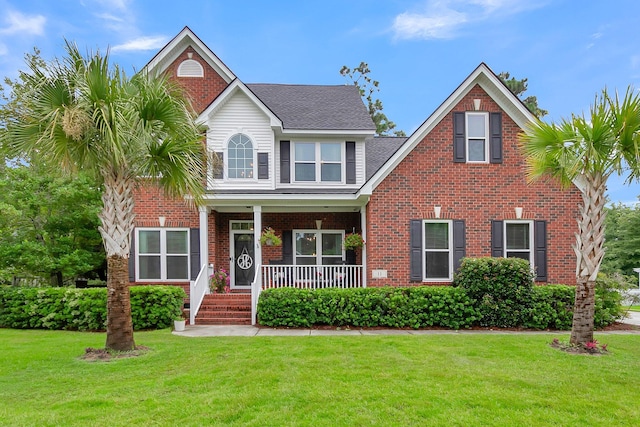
(179, 323)
(350, 243)
(270, 238)
(219, 282)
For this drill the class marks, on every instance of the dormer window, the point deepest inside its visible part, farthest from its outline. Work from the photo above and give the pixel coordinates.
(318, 162)
(190, 68)
(240, 157)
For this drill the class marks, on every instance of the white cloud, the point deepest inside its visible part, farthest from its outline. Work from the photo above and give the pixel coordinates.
(18, 23)
(442, 19)
(3, 49)
(142, 43)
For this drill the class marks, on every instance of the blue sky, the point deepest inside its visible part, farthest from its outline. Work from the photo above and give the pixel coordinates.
(419, 50)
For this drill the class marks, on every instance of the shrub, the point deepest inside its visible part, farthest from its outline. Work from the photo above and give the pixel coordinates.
(609, 297)
(417, 307)
(85, 309)
(501, 289)
(551, 307)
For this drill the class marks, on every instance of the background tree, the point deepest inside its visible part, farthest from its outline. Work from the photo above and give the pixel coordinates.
(518, 87)
(359, 76)
(82, 114)
(48, 224)
(622, 240)
(586, 151)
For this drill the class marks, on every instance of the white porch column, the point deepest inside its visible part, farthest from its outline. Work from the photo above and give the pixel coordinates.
(363, 224)
(257, 230)
(204, 236)
(257, 262)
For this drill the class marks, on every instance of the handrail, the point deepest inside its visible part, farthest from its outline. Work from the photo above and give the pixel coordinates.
(256, 289)
(199, 288)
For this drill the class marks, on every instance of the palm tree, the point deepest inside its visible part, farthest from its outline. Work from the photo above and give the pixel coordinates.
(82, 114)
(586, 152)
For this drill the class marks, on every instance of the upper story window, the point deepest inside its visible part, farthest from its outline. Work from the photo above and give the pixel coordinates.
(317, 162)
(240, 157)
(438, 253)
(477, 140)
(162, 254)
(518, 240)
(190, 68)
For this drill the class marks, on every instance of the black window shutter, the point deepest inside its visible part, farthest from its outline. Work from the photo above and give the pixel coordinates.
(351, 162)
(132, 258)
(540, 255)
(263, 165)
(287, 247)
(285, 161)
(416, 250)
(495, 137)
(497, 240)
(194, 251)
(459, 241)
(219, 171)
(459, 154)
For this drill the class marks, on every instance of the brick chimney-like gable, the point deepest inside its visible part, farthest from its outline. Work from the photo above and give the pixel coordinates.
(202, 90)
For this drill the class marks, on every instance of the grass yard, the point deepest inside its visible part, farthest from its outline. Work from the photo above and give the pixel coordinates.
(439, 380)
(632, 308)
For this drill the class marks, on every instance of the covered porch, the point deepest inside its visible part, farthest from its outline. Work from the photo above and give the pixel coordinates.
(311, 255)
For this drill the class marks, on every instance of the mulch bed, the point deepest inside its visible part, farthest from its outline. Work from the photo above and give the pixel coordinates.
(103, 355)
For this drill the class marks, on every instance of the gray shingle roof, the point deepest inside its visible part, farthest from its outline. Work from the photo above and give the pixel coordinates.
(379, 149)
(315, 107)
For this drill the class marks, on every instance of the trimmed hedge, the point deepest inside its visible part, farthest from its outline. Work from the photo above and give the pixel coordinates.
(550, 307)
(501, 289)
(417, 307)
(152, 307)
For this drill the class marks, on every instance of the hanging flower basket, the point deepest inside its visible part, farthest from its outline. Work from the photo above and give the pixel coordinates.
(270, 238)
(353, 241)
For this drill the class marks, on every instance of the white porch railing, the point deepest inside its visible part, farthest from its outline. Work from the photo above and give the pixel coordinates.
(312, 276)
(199, 288)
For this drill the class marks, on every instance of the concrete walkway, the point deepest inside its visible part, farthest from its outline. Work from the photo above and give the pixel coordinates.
(252, 331)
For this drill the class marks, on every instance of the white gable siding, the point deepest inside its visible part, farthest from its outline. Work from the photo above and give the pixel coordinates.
(240, 115)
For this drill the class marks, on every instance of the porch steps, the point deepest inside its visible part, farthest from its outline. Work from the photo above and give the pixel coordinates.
(225, 309)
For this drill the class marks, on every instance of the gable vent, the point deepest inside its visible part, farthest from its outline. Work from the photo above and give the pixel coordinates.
(190, 68)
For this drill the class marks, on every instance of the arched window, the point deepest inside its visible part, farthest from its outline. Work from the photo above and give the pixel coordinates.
(240, 155)
(190, 68)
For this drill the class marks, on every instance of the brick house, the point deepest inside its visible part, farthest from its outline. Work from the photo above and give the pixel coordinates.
(305, 161)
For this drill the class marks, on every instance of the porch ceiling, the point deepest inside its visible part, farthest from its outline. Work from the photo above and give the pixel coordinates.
(300, 205)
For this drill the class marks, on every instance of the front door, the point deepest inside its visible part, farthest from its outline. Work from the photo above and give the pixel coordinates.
(243, 259)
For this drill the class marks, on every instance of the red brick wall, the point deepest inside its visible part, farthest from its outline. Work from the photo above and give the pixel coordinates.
(150, 203)
(476, 193)
(201, 90)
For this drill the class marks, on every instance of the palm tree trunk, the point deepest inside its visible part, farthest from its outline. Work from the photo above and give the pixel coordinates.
(119, 324)
(589, 250)
(117, 223)
(583, 312)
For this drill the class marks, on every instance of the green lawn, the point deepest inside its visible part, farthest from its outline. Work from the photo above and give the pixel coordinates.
(448, 380)
(632, 308)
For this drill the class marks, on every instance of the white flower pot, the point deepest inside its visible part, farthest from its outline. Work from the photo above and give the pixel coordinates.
(178, 325)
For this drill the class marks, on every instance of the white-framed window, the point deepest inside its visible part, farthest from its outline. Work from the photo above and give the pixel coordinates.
(437, 241)
(162, 254)
(477, 138)
(318, 162)
(518, 240)
(318, 247)
(240, 157)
